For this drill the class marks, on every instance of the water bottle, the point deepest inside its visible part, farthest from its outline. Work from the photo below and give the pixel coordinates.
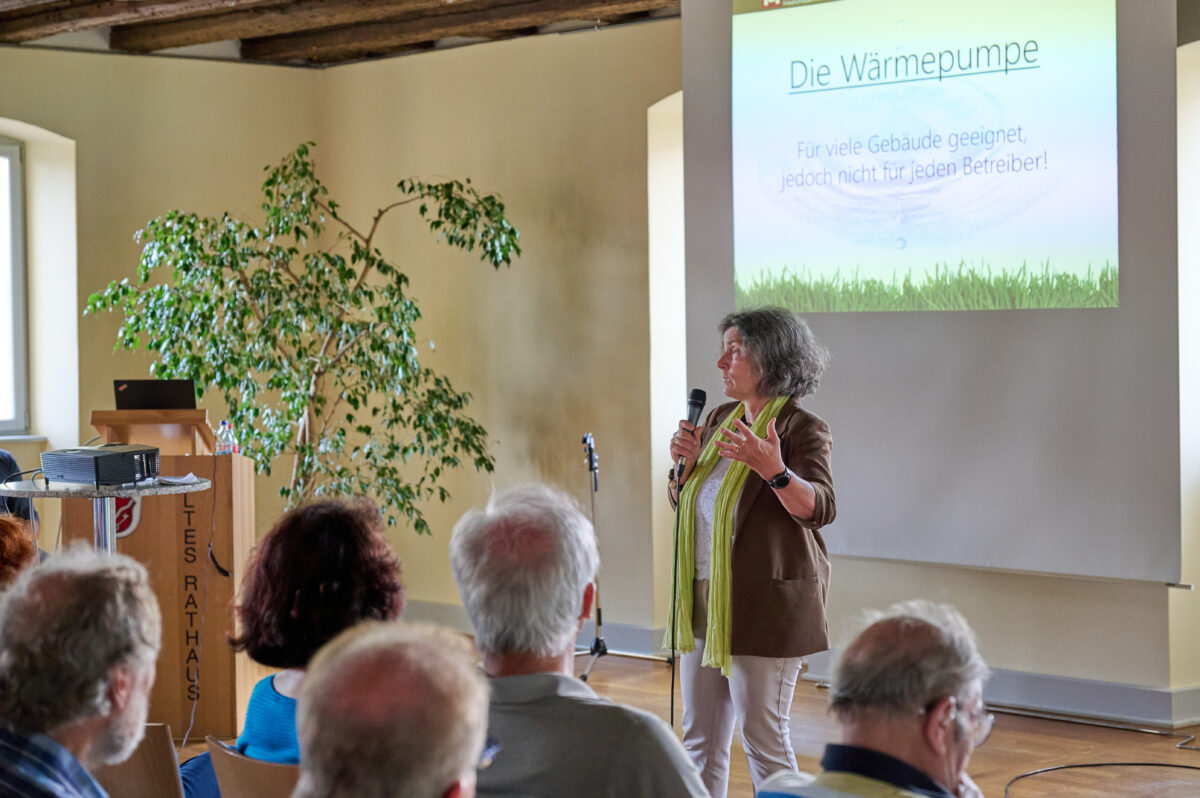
(226, 442)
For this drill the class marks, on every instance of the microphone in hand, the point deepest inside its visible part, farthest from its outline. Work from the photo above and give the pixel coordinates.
(695, 406)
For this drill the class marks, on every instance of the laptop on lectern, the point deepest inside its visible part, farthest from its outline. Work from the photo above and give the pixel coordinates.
(155, 394)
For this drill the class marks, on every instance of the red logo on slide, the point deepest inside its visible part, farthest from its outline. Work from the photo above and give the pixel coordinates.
(771, 3)
(129, 514)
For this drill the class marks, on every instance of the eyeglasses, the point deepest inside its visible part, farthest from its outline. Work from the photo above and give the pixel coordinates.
(980, 723)
(977, 720)
(491, 747)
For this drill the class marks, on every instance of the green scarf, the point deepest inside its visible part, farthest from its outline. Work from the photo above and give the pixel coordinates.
(720, 592)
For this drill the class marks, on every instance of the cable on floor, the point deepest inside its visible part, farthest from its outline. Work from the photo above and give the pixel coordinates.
(1040, 771)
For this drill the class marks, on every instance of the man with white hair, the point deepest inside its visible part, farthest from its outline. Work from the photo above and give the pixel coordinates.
(908, 692)
(391, 709)
(525, 567)
(79, 638)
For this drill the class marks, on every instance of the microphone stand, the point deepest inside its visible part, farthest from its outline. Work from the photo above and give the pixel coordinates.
(674, 657)
(599, 647)
(695, 406)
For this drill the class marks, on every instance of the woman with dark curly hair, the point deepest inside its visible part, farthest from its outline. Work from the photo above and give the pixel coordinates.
(17, 549)
(323, 568)
(752, 573)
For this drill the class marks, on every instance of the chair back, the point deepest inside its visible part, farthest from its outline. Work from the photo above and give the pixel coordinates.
(240, 776)
(151, 771)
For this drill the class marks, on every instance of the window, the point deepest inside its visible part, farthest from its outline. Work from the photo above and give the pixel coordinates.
(14, 415)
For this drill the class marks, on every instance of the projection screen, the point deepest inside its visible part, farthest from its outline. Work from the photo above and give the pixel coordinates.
(925, 154)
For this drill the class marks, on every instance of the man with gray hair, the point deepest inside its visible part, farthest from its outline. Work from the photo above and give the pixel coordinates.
(908, 692)
(525, 567)
(391, 709)
(79, 638)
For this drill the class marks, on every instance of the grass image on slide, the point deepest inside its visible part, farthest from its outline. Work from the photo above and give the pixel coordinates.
(964, 288)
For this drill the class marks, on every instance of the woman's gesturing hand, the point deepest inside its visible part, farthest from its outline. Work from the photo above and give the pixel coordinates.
(761, 454)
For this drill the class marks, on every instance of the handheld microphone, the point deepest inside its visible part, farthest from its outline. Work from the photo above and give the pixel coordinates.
(695, 406)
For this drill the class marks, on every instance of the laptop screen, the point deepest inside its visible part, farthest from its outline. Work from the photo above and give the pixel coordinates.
(155, 394)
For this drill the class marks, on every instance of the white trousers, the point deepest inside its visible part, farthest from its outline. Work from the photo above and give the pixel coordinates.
(757, 695)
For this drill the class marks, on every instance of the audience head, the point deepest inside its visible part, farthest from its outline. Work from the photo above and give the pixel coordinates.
(79, 637)
(917, 665)
(17, 549)
(324, 567)
(523, 565)
(20, 507)
(391, 709)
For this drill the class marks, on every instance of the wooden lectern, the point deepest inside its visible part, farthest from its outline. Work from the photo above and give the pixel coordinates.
(172, 431)
(171, 536)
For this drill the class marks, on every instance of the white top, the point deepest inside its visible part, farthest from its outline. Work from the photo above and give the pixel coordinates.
(706, 501)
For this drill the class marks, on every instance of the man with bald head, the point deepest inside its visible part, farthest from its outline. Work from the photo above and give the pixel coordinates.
(391, 709)
(525, 566)
(908, 692)
(79, 639)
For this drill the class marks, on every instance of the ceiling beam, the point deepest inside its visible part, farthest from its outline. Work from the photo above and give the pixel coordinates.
(270, 21)
(8, 6)
(343, 44)
(1187, 22)
(104, 13)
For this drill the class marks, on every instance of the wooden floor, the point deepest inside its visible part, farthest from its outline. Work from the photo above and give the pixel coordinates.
(1017, 745)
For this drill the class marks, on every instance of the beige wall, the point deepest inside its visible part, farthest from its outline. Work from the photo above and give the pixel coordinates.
(1080, 628)
(552, 348)
(557, 345)
(149, 135)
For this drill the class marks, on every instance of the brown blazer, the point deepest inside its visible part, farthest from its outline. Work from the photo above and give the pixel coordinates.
(780, 565)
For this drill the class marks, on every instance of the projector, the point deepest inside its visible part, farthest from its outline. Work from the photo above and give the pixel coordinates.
(110, 464)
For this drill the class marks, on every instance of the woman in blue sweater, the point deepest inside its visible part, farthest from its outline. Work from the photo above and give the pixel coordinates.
(324, 567)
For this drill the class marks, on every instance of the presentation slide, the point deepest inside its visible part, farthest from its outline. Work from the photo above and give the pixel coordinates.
(924, 155)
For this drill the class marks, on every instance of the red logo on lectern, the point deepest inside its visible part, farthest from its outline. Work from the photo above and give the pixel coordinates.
(771, 3)
(129, 514)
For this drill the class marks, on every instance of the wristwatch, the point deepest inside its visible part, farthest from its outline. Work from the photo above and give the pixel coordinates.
(780, 480)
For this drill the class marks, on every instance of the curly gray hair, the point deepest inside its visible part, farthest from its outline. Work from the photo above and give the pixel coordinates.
(913, 655)
(64, 626)
(789, 357)
(521, 566)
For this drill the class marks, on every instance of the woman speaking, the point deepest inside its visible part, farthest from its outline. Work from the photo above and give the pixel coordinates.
(752, 573)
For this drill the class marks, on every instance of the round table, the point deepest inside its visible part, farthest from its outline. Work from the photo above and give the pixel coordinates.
(104, 500)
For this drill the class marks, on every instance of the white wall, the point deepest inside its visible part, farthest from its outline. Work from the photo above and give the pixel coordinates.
(668, 323)
(1184, 607)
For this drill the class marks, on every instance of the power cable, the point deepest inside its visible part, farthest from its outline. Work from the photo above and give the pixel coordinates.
(1055, 768)
(1184, 743)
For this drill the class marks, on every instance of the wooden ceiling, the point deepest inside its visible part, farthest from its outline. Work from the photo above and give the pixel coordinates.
(311, 32)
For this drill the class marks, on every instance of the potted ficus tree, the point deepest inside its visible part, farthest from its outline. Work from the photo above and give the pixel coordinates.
(307, 333)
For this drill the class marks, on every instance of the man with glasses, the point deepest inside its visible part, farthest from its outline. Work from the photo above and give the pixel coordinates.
(908, 692)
